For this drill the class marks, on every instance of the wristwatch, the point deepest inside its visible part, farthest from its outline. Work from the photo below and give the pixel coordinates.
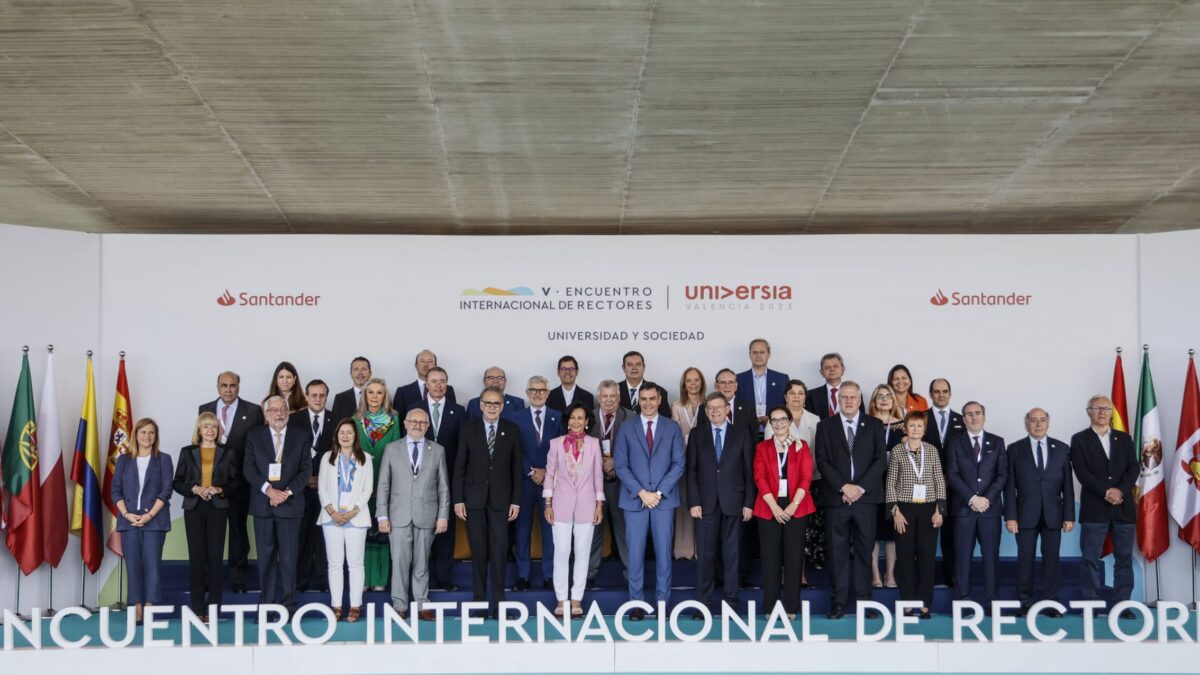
(659, 493)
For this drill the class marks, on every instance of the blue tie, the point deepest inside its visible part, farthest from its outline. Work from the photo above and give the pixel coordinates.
(720, 445)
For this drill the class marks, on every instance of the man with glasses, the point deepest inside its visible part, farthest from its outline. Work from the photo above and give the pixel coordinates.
(538, 424)
(975, 480)
(1107, 468)
(609, 417)
(486, 489)
(495, 377)
(720, 493)
(568, 392)
(413, 506)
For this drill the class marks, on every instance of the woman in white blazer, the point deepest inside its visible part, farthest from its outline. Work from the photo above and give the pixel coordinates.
(574, 494)
(344, 487)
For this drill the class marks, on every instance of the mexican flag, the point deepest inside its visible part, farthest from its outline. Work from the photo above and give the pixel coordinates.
(1150, 492)
(22, 486)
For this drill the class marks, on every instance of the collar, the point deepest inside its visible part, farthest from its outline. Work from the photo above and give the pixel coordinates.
(541, 408)
(648, 419)
(755, 373)
(724, 427)
(630, 385)
(565, 388)
(409, 440)
(946, 410)
(437, 400)
(847, 421)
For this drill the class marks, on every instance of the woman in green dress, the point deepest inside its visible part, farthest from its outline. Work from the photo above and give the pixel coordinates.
(377, 426)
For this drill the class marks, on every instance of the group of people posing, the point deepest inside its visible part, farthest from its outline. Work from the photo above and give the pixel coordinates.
(345, 497)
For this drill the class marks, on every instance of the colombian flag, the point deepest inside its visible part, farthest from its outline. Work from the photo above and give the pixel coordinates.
(86, 520)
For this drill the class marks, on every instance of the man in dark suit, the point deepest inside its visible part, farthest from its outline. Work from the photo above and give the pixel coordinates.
(312, 571)
(978, 470)
(822, 401)
(720, 494)
(277, 467)
(446, 420)
(760, 385)
(237, 417)
(850, 456)
(345, 404)
(941, 423)
(1107, 468)
(634, 366)
(495, 377)
(741, 414)
(538, 424)
(418, 389)
(608, 418)
(568, 392)
(1039, 501)
(487, 491)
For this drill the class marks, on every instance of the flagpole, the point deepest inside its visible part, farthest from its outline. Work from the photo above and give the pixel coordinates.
(49, 611)
(83, 570)
(119, 605)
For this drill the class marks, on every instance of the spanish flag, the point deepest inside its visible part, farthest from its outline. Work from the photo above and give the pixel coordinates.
(86, 520)
(119, 443)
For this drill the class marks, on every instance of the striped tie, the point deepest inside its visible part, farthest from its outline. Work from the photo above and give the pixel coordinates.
(491, 440)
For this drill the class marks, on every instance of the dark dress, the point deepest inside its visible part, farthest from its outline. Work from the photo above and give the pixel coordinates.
(885, 529)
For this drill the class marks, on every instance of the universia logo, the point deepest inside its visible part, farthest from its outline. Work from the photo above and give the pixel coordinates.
(740, 292)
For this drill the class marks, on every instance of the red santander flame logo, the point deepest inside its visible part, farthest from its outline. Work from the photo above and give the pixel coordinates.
(939, 299)
(226, 300)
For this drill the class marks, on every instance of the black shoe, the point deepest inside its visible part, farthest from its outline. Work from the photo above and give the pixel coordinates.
(593, 586)
(1052, 613)
(637, 614)
(1024, 611)
(925, 614)
(696, 615)
(1127, 614)
(548, 584)
(239, 588)
(522, 585)
(804, 585)
(908, 611)
(835, 612)
(872, 613)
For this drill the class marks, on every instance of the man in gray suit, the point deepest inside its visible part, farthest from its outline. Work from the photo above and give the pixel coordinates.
(412, 505)
(607, 418)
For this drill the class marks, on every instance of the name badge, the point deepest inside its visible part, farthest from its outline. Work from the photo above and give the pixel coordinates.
(760, 409)
(345, 501)
(919, 493)
(274, 471)
(606, 447)
(783, 491)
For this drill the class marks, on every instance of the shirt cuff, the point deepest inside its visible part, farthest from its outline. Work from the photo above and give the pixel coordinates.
(264, 487)
(382, 519)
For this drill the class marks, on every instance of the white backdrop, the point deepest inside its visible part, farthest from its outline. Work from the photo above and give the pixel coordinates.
(868, 297)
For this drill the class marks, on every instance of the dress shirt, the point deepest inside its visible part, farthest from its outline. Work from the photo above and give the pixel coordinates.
(938, 414)
(568, 396)
(760, 388)
(279, 453)
(408, 448)
(1105, 442)
(319, 418)
(228, 413)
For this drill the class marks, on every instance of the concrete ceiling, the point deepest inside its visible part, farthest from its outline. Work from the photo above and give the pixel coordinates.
(600, 116)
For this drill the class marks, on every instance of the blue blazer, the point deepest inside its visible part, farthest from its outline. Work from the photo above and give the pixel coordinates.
(969, 478)
(639, 469)
(512, 406)
(296, 469)
(533, 454)
(776, 385)
(1031, 495)
(159, 485)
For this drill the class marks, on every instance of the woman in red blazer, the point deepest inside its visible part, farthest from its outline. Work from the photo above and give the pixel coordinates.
(783, 469)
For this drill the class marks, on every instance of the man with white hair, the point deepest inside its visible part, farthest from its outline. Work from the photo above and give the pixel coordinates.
(538, 424)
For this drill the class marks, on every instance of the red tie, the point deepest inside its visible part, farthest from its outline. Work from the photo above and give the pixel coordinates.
(650, 435)
(832, 401)
(978, 452)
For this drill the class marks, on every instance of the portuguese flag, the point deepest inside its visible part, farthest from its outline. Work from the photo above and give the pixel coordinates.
(22, 486)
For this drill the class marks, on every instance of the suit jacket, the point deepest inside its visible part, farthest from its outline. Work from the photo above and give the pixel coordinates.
(403, 498)
(127, 485)
(817, 401)
(512, 406)
(1097, 473)
(296, 468)
(556, 401)
(833, 459)
(1031, 495)
(483, 482)
(533, 453)
(301, 419)
(640, 469)
(226, 474)
(619, 417)
(776, 384)
(247, 416)
(954, 425)
(454, 416)
(344, 405)
(744, 417)
(728, 483)
(664, 404)
(574, 499)
(410, 393)
(968, 477)
(360, 491)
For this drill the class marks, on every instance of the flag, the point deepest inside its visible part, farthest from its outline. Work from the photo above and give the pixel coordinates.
(53, 476)
(1185, 469)
(1119, 421)
(1150, 492)
(85, 473)
(118, 444)
(21, 485)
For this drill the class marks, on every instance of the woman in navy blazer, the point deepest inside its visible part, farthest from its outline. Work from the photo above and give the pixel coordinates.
(141, 489)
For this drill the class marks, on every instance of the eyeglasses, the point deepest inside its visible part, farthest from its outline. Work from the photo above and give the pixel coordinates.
(494, 378)
(1097, 409)
(417, 423)
(780, 420)
(492, 404)
(715, 408)
(879, 396)
(531, 391)
(566, 369)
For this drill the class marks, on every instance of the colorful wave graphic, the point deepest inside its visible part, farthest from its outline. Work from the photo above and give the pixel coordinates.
(490, 290)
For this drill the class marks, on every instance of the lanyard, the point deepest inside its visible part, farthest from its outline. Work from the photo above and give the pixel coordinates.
(608, 427)
(781, 458)
(920, 471)
(345, 471)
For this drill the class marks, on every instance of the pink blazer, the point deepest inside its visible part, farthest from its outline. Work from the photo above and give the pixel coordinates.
(576, 497)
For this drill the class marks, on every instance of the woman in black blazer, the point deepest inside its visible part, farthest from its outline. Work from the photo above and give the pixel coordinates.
(207, 473)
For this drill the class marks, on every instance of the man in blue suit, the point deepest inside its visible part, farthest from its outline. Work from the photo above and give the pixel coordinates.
(495, 377)
(978, 469)
(649, 463)
(446, 419)
(1039, 501)
(538, 425)
(761, 385)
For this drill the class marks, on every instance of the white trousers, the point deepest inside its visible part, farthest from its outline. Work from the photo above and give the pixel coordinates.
(345, 545)
(562, 556)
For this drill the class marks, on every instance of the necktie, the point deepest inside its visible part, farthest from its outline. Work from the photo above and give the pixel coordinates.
(225, 423)
(942, 425)
(720, 445)
(1040, 460)
(978, 450)
(416, 455)
(650, 435)
(608, 418)
(437, 417)
(278, 446)
(850, 446)
(316, 427)
(424, 391)
(832, 401)
(731, 409)
(491, 440)
(633, 398)
(537, 423)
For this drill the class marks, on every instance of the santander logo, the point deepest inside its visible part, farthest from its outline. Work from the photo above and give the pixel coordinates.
(226, 300)
(244, 299)
(939, 299)
(961, 299)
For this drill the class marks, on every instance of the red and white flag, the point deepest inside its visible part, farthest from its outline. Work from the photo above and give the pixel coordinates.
(51, 472)
(1184, 493)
